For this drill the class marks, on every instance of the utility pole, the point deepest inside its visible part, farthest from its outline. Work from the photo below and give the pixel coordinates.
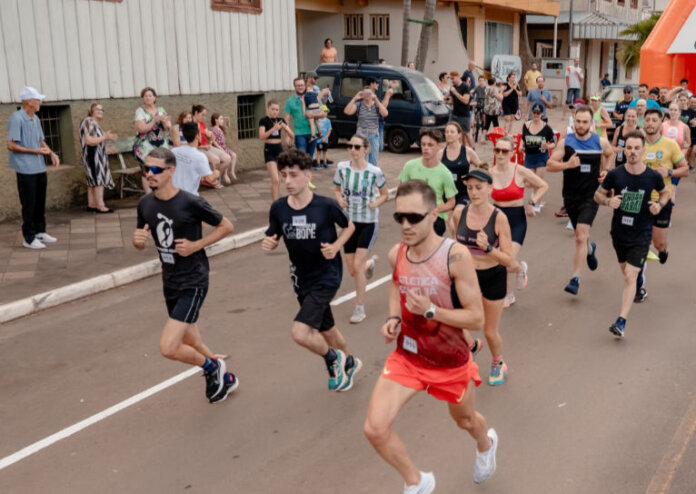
(570, 27)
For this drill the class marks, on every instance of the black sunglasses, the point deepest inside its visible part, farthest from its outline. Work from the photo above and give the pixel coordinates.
(412, 218)
(155, 170)
(354, 146)
(628, 92)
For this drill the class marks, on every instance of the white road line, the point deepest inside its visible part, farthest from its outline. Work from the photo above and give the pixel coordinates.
(98, 417)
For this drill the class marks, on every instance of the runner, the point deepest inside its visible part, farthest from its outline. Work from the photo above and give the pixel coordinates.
(584, 159)
(357, 183)
(630, 124)
(306, 222)
(600, 116)
(537, 140)
(626, 190)
(175, 216)
(509, 182)
(461, 106)
(435, 174)
(673, 128)
(270, 128)
(431, 352)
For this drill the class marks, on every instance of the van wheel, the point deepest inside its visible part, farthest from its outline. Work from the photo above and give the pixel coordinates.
(398, 141)
(333, 140)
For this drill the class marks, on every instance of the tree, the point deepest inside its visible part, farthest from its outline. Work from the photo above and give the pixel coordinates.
(629, 53)
(406, 33)
(426, 32)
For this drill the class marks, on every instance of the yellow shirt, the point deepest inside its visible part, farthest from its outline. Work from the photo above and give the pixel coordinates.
(665, 152)
(530, 78)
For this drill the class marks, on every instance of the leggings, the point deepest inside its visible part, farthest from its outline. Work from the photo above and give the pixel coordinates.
(488, 120)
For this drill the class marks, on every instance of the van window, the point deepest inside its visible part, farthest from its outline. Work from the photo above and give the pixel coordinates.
(326, 81)
(350, 86)
(402, 91)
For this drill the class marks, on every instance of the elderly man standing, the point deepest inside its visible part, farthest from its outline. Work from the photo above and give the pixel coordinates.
(27, 146)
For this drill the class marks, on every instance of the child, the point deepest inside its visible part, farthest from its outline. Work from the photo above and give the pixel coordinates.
(312, 110)
(324, 125)
(219, 125)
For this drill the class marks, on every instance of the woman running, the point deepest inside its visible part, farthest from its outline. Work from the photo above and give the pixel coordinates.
(537, 140)
(677, 130)
(619, 141)
(270, 128)
(509, 182)
(358, 184)
(486, 233)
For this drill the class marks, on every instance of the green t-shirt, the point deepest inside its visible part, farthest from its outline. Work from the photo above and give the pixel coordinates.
(438, 177)
(293, 107)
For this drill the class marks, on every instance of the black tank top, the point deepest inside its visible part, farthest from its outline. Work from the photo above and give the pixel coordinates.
(621, 142)
(459, 167)
(467, 237)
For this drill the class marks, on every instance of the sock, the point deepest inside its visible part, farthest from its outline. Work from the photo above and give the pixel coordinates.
(498, 360)
(360, 307)
(576, 275)
(349, 362)
(210, 365)
(329, 358)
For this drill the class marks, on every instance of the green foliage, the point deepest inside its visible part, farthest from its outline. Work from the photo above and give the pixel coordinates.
(629, 54)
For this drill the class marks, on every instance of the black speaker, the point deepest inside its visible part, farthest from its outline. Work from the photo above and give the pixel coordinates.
(362, 53)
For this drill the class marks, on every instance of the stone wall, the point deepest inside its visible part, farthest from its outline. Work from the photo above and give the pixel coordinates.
(66, 185)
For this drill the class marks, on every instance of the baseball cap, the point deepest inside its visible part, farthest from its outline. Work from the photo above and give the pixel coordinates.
(596, 97)
(628, 89)
(30, 93)
(312, 74)
(479, 175)
(579, 101)
(537, 108)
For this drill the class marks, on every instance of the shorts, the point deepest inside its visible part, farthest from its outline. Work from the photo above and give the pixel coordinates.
(663, 219)
(582, 211)
(448, 385)
(510, 109)
(534, 161)
(493, 282)
(440, 226)
(184, 304)
(315, 307)
(518, 223)
(572, 95)
(363, 237)
(271, 152)
(635, 255)
(315, 112)
(463, 121)
(675, 181)
(322, 146)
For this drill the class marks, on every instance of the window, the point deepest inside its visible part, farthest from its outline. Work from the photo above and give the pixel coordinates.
(57, 128)
(249, 109)
(351, 85)
(379, 26)
(401, 89)
(620, 3)
(634, 4)
(498, 41)
(353, 26)
(248, 6)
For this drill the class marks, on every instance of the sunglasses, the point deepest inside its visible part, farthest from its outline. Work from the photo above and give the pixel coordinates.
(628, 92)
(412, 218)
(155, 170)
(502, 151)
(355, 146)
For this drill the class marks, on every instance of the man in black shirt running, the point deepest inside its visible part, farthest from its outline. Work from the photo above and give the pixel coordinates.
(174, 217)
(306, 222)
(626, 190)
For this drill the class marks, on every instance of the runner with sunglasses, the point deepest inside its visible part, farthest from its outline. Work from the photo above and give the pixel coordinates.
(174, 217)
(433, 295)
(360, 190)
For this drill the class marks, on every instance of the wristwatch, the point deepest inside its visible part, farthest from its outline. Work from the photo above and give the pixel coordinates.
(430, 313)
(489, 249)
(670, 172)
(532, 203)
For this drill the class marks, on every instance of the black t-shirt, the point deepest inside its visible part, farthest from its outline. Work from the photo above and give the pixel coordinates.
(686, 117)
(459, 167)
(533, 142)
(458, 108)
(303, 231)
(179, 217)
(581, 183)
(268, 123)
(622, 106)
(512, 100)
(632, 221)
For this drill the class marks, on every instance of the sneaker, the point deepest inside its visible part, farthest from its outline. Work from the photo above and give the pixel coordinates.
(230, 384)
(561, 213)
(485, 462)
(497, 375)
(215, 381)
(49, 239)
(573, 285)
(337, 376)
(509, 300)
(329, 162)
(350, 373)
(641, 295)
(618, 328)
(317, 166)
(522, 276)
(476, 348)
(592, 257)
(425, 486)
(569, 226)
(35, 244)
(358, 315)
(326, 165)
(662, 256)
(370, 271)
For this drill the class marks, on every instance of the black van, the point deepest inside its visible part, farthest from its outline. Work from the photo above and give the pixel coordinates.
(416, 102)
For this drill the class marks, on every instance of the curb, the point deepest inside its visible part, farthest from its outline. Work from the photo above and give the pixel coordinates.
(91, 286)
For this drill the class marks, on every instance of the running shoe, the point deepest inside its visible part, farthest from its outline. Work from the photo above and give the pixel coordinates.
(476, 348)
(231, 383)
(592, 262)
(485, 462)
(215, 380)
(498, 374)
(358, 315)
(618, 328)
(662, 255)
(641, 295)
(337, 376)
(326, 165)
(350, 374)
(522, 276)
(509, 300)
(370, 271)
(46, 238)
(425, 486)
(561, 213)
(569, 226)
(573, 285)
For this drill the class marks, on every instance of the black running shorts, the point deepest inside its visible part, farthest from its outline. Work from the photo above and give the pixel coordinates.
(581, 211)
(184, 304)
(271, 152)
(493, 282)
(635, 255)
(363, 237)
(663, 219)
(315, 308)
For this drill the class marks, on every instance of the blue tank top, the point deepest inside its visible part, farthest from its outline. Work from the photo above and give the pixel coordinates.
(582, 182)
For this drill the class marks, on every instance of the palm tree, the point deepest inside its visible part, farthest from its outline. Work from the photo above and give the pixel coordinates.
(406, 33)
(629, 53)
(426, 31)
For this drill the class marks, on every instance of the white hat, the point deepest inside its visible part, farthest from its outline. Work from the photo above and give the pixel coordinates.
(30, 93)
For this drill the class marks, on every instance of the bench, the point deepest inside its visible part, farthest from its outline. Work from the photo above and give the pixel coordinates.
(128, 177)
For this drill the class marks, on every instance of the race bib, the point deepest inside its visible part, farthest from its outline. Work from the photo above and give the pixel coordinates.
(584, 168)
(649, 156)
(355, 199)
(167, 258)
(627, 220)
(299, 221)
(454, 177)
(410, 345)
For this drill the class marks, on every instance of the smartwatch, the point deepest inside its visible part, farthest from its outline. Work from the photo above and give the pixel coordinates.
(489, 249)
(430, 313)
(670, 172)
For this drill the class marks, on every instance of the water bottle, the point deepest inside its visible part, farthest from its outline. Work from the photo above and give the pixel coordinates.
(329, 97)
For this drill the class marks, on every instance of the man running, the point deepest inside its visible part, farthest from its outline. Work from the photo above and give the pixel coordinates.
(431, 352)
(175, 217)
(627, 190)
(306, 222)
(584, 159)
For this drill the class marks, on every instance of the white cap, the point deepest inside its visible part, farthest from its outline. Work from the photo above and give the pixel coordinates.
(30, 93)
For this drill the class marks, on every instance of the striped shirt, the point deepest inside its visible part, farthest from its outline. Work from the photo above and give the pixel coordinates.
(359, 187)
(368, 116)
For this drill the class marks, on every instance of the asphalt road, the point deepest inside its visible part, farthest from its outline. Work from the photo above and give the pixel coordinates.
(581, 412)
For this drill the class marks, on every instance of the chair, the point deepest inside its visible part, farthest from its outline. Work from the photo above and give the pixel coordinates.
(128, 178)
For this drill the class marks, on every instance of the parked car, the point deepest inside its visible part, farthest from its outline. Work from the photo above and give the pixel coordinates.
(612, 95)
(416, 102)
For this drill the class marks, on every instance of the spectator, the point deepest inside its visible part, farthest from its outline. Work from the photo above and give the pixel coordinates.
(469, 76)
(382, 61)
(684, 84)
(323, 144)
(374, 85)
(27, 146)
(369, 108)
(176, 134)
(461, 106)
(491, 106)
(511, 101)
(600, 116)
(151, 125)
(605, 82)
(575, 76)
(539, 96)
(444, 87)
(622, 106)
(530, 79)
(300, 125)
(191, 164)
(270, 132)
(643, 94)
(479, 94)
(411, 65)
(93, 141)
(328, 53)
(218, 159)
(219, 126)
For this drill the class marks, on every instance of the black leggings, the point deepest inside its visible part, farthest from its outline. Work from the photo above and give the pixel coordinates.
(488, 120)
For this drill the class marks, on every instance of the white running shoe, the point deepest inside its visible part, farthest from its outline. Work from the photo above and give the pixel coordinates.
(358, 315)
(522, 276)
(485, 462)
(569, 226)
(371, 268)
(35, 244)
(509, 300)
(46, 238)
(425, 486)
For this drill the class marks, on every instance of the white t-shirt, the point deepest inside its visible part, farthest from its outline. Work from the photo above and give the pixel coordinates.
(191, 166)
(574, 73)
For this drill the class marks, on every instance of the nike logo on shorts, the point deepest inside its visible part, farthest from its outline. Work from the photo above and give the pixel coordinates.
(461, 398)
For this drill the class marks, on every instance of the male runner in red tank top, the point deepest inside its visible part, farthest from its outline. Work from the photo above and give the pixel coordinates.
(434, 293)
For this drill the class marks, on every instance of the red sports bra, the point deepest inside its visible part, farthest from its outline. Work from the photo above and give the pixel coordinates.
(512, 192)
